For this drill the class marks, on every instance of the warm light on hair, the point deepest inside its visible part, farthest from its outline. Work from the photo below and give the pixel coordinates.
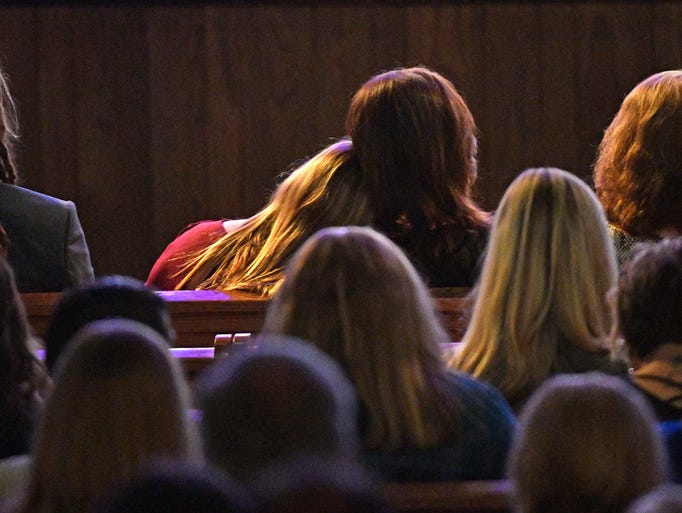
(324, 191)
(638, 171)
(549, 265)
(354, 294)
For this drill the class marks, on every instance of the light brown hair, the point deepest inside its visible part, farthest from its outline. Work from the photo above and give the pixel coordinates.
(354, 294)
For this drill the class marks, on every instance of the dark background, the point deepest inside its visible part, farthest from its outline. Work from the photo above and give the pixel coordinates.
(153, 115)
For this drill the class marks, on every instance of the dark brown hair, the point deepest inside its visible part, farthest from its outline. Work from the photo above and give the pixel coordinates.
(649, 296)
(416, 142)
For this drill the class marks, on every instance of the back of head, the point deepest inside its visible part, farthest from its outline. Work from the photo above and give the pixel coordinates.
(649, 297)
(416, 141)
(175, 489)
(585, 443)
(549, 265)
(9, 132)
(119, 402)
(106, 298)
(326, 190)
(638, 171)
(319, 485)
(284, 398)
(354, 294)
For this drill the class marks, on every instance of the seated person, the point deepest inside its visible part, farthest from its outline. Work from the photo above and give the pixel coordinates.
(638, 171)
(649, 318)
(415, 140)
(250, 254)
(120, 402)
(107, 297)
(24, 382)
(353, 293)
(48, 251)
(319, 485)
(282, 399)
(585, 443)
(175, 488)
(540, 305)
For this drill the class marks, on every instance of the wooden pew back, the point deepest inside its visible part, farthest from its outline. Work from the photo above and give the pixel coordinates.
(199, 315)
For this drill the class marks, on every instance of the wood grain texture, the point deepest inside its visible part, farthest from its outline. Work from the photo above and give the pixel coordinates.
(153, 115)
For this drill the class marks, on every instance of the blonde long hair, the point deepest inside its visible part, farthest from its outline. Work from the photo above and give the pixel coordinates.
(327, 190)
(549, 265)
(354, 294)
(119, 401)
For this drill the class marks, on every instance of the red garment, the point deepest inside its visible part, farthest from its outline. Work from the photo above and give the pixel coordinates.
(167, 270)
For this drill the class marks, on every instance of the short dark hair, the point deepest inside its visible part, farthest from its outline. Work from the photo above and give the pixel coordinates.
(106, 298)
(649, 297)
(284, 398)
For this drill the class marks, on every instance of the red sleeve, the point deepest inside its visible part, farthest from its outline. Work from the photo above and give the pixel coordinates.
(166, 272)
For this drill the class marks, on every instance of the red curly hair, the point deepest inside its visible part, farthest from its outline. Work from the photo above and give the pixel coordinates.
(638, 171)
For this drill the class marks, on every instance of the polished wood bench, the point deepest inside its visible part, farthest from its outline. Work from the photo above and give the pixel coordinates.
(450, 497)
(199, 315)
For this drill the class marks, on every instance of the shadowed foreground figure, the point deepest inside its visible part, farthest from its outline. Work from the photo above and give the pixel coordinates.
(585, 442)
(282, 399)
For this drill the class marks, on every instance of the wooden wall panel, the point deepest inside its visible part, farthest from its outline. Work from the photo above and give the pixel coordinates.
(151, 116)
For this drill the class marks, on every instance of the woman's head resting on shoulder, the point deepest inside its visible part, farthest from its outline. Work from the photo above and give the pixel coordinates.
(416, 142)
(326, 190)
(638, 171)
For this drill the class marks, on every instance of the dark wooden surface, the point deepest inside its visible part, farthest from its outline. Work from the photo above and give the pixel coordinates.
(450, 497)
(154, 115)
(199, 315)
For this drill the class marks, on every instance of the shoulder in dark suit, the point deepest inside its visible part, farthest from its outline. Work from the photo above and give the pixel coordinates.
(48, 251)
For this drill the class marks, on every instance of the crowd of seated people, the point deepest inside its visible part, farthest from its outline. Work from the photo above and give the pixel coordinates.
(348, 387)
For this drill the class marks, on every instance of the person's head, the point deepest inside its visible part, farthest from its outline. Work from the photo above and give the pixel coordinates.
(175, 488)
(326, 190)
(353, 293)
(416, 142)
(319, 485)
(281, 399)
(638, 171)
(649, 297)
(585, 443)
(119, 402)
(548, 267)
(105, 298)
(666, 498)
(9, 132)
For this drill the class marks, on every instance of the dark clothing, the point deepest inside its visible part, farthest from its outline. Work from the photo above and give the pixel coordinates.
(478, 451)
(447, 256)
(48, 252)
